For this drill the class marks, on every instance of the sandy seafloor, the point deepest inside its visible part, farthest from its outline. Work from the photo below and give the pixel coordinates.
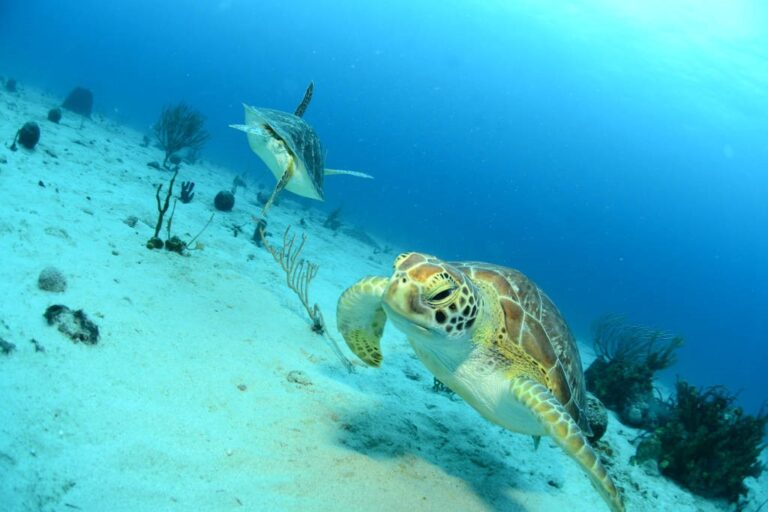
(208, 391)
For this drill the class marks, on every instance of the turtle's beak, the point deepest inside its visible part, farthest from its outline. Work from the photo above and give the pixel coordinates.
(403, 297)
(403, 305)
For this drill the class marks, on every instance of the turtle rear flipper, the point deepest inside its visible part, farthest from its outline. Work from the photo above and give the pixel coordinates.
(360, 318)
(329, 172)
(563, 429)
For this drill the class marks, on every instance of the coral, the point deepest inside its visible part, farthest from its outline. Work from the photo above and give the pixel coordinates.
(79, 101)
(617, 340)
(162, 207)
(710, 445)
(597, 417)
(28, 136)
(187, 191)
(622, 375)
(175, 244)
(180, 127)
(73, 324)
(54, 115)
(298, 274)
(52, 280)
(172, 243)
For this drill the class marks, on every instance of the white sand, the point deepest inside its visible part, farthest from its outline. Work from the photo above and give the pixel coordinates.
(153, 417)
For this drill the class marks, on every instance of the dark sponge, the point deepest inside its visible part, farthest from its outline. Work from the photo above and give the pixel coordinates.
(224, 201)
(54, 115)
(79, 101)
(28, 135)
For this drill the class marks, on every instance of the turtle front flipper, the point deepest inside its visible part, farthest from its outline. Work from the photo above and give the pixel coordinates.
(360, 318)
(357, 174)
(563, 429)
(282, 182)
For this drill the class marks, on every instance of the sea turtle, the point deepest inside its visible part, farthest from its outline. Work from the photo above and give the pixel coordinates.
(290, 148)
(490, 335)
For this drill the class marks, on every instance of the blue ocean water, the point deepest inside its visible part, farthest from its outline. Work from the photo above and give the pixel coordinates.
(616, 152)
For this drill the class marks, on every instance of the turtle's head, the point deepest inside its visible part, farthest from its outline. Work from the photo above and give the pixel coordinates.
(429, 298)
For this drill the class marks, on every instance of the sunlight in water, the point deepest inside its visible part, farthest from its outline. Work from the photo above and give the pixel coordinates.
(709, 54)
(713, 45)
(722, 20)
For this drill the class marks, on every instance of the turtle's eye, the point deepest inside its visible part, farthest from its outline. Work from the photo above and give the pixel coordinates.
(441, 295)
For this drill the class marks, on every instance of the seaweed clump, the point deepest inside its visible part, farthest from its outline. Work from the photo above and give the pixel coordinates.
(709, 445)
(628, 357)
(180, 127)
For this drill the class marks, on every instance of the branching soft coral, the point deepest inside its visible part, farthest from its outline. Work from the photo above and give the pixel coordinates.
(298, 275)
(617, 340)
(709, 445)
(628, 356)
(180, 127)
